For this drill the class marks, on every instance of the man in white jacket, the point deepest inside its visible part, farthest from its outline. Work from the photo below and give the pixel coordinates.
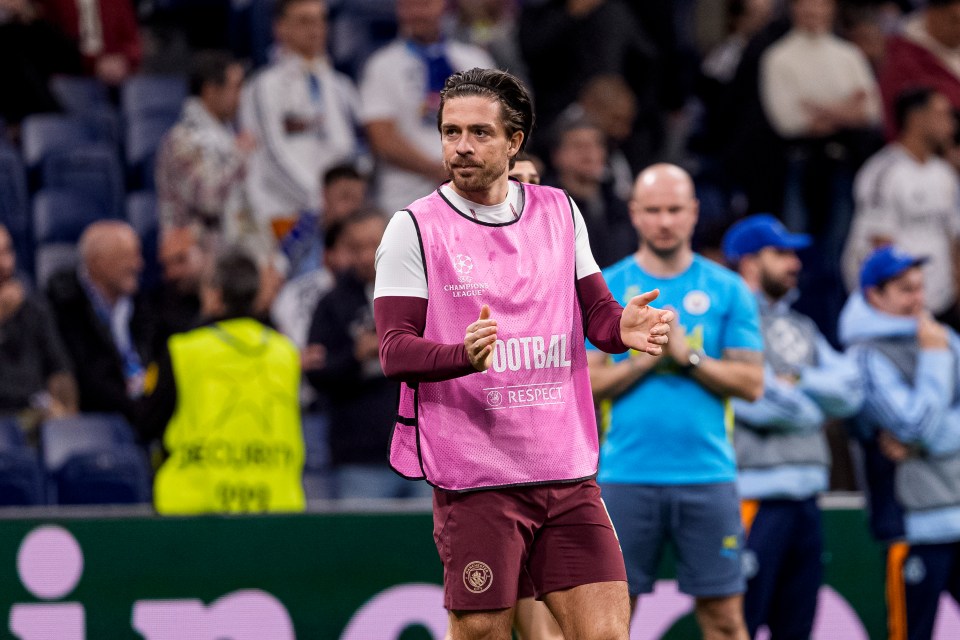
(303, 114)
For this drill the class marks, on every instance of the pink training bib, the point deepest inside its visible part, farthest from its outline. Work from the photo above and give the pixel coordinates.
(530, 418)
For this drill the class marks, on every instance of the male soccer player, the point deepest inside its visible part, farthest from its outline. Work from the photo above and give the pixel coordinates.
(484, 291)
(667, 465)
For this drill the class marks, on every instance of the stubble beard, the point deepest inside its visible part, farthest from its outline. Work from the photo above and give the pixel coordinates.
(483, 177)
(665, 254)
(774, 288)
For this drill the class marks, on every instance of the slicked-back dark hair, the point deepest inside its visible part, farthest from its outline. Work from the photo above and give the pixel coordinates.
(236, 276)
(910, 100)
(516, 108)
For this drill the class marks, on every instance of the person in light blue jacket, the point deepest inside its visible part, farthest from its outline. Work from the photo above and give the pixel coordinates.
(782, 452)
(911, 368)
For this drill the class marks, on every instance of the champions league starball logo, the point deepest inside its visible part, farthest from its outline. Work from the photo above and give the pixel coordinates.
(494, 398)
(463, 265)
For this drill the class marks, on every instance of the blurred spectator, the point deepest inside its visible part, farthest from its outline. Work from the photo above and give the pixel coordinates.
(527, 168)
(303, 114)
(226, 404)
(32, 51)
(35, 375)
(492, 26)
(820, 95)
(783, 459)
(907, 195)
(745, 18)
(344, 192)
(106, 32)
(925, 53)
(174, 307)
(609, 103)
(750, 154)
(568, 42)
(293, 309)
(400, 93)
(579, 160)
(863, 25)
(96, 313)
(840, 95)
(202, 161)
(362, 401)
(912, 414)
(722, 109)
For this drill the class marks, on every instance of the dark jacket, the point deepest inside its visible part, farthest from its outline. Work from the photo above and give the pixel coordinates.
(97, 362)
(362, 402)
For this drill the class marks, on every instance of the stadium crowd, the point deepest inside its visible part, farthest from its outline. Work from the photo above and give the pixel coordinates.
(147, 148)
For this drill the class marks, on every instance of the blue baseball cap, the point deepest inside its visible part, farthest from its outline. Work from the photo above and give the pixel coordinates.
(886, 263)
(757, 232)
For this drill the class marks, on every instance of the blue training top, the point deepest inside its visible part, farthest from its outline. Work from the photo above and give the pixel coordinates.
(668, 428)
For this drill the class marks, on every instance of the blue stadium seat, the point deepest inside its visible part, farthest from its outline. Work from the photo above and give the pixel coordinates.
(250, 29)
(21, 479)
(148, 95)
(46, 134)
(51, 258)
(14, 205)
(317, 476)
(116, 476)
(11, 437)
(79, 94)
(143, 137)
(92, 170)
(142, 216)
(93, 459)
(61, 215)
(357, 29)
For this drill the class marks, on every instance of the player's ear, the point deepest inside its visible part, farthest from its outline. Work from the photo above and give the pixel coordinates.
(515, 141)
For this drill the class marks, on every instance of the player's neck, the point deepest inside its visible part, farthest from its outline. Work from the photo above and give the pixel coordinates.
(664, 264)
(495, 194)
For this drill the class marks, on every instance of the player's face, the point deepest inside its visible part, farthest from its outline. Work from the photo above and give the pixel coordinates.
(664, 213)
(779, 271)
(525, 171)
(902, 296)
(476, 148)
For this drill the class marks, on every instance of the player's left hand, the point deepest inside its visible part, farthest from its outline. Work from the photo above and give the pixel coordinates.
(643, 327)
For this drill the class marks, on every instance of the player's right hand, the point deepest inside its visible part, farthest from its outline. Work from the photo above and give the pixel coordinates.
(480, 339)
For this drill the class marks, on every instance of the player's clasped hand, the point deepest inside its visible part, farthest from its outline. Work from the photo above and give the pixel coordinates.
(480, 339)
(643, 327)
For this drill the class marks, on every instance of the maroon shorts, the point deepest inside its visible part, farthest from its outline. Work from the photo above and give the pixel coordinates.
(558, 534)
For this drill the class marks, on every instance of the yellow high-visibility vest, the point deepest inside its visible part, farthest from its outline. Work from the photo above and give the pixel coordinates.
(235, 438)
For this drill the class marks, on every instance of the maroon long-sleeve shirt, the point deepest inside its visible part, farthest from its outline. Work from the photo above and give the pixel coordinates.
(406, 355)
